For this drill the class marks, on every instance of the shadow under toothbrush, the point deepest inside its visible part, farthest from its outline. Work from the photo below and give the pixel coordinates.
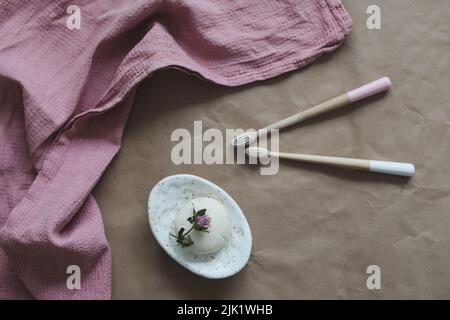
(340, 173)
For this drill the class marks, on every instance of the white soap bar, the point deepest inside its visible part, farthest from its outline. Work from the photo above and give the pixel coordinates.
(219, 229)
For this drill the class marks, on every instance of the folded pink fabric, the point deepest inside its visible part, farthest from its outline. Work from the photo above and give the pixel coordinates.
(65, 96)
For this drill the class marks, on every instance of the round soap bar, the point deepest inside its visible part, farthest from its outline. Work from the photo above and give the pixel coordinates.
(219, 229)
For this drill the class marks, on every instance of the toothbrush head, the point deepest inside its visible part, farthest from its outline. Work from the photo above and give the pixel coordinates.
(255, 152)
(243, 139)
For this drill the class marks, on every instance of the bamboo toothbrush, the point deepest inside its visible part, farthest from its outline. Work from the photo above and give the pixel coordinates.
(360, 93)
(395, 168)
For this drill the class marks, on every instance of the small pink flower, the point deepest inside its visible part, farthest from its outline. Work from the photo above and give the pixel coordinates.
(200, 222)
(203, 221)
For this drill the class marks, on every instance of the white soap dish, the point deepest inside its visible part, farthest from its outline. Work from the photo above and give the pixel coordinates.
(168, 195)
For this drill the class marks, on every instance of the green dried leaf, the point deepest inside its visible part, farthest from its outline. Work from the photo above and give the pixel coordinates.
(201, 212)
(187, 242)
(180, 233)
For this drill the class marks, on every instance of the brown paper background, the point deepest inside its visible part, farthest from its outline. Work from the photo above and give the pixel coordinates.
(315, 230)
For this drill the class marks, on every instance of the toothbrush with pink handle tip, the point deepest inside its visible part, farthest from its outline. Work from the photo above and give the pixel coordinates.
(370, 89)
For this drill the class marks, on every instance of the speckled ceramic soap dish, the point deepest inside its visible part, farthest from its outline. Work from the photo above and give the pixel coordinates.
(169, 196)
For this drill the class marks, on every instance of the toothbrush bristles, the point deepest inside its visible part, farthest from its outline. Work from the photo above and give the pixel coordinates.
(243, 139)
(240, 140)
(256, 152)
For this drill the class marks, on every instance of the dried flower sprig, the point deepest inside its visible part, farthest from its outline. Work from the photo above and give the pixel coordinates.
(200, 221)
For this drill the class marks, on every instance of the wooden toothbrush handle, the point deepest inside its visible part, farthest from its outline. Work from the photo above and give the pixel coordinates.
(326, 106)
(395, 168)
(350, 163)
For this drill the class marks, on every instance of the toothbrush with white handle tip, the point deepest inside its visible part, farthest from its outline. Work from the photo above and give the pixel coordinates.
(357, 94)
(395, 168)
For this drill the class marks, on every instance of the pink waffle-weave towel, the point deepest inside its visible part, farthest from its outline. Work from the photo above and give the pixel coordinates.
(65, 95)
